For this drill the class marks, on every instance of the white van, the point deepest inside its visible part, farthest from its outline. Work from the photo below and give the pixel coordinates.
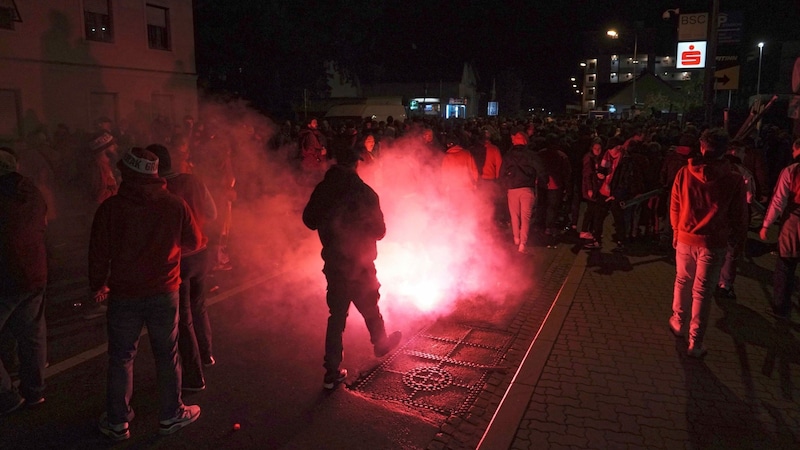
(358, 112)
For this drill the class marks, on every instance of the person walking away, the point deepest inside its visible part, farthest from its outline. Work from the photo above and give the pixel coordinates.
(347, 215)
(459, 173)
(23, 279)
(490, 174)
(708, 209)
(519, 171)
(735, 250)
(134, 261)
(555, 182)
(785, 209)
(194, 326)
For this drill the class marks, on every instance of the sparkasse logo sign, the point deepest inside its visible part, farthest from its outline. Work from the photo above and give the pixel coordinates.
(691, 55)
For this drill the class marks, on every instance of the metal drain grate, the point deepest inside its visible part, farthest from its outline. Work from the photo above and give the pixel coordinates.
(443, 368)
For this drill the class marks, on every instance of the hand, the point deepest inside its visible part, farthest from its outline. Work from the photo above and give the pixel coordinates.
(601, 176)
(100, 295)
(763, 233)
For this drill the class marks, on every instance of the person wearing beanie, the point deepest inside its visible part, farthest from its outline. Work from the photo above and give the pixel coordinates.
(134, 262)
(23, 279)
(347, 215)
(708, 212)
(102, 182)
(194, 326)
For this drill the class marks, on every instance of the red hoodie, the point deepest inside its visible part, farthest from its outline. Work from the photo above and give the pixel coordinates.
(137, 235)
(708, 205)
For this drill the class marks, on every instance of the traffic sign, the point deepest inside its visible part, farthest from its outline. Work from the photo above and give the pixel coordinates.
(727, 73)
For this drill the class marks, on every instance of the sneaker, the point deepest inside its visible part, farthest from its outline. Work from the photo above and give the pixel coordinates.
(210, 361)
(196, 388)
(34, 401)
(676, 326)
(594, 245)
(525, 250)
(334, 378)
(388, 344)
(15, 405)
(117, 432)
(620, 246)
(696, 351)
(186, 415)
(726, 292)
(586, 235)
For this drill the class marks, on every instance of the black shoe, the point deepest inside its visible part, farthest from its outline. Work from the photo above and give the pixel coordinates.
(194, 387)
(388, 344)
(594, 245)
(726, 293)
(12, 406)
(334, 378)
(210, 361)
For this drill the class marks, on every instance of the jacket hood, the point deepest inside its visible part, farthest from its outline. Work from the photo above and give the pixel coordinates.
(708, 171)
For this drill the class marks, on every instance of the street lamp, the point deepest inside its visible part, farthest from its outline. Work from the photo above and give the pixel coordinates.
(614, 35)
(758, 85)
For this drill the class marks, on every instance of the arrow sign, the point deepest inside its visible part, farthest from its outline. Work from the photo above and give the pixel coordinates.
(723, 80)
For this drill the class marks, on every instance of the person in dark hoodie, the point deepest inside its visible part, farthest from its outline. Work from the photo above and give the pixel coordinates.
(346, 213)
(676, 157)
(23, 278)
(134, 260)
(708, 211)
(194, 326)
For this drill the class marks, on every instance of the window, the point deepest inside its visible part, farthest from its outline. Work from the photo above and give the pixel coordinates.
(158, 35)
(10, 115)
(8, 14)
(97, 20)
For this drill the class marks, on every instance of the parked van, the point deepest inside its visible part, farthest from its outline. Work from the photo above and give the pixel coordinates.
(358, 112)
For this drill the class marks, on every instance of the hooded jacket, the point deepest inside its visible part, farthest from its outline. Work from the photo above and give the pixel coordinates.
(708, 204)
(785, 209)
(136, 239)
(520, 168)
(348, 217)
(23, 258)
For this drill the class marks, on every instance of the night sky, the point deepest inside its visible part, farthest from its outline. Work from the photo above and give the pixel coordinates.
(270, 50)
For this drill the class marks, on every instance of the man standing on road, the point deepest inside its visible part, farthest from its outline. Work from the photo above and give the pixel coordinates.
(785, 206)
(348, 217)
(23, 278)
(134, 260)
(708, 210)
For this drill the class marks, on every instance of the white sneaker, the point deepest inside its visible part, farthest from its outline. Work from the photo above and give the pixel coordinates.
(586, 235)
(186, 415)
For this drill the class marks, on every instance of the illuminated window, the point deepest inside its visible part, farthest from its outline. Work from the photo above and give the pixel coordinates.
(8, 14)
(158, 35)
(97, 20)
(10, 114)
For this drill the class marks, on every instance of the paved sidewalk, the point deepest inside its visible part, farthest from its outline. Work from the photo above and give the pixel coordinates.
(605, 371)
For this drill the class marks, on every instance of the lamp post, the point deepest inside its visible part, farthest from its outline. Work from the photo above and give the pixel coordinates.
(614, 35)
(758, 84)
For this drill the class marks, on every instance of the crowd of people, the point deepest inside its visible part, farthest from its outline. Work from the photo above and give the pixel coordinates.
(542, 179)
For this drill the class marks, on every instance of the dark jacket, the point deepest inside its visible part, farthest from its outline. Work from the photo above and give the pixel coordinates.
(137, 237)
(557, 167)
(196, 194)
(520, 168)
(23, 259)
(589, 180)
(347, 214)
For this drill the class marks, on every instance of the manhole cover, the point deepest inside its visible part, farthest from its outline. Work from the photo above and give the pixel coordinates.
(427, 378)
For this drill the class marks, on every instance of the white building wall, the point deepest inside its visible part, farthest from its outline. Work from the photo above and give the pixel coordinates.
(59, 75)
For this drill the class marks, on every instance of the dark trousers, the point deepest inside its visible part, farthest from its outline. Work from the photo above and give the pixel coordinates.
(603, 208)
(783, 285)
(194, 327)
(23, 315)
(362, 289)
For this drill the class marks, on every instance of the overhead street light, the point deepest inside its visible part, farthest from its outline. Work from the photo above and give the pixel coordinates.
(613, 34)
(760, 54)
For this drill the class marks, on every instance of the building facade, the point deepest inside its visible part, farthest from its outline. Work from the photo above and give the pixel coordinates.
(71, 62)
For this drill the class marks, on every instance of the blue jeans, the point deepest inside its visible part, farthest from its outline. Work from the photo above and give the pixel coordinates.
(126, 317)
(520, 206)
(23, 314)
(697, 274)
